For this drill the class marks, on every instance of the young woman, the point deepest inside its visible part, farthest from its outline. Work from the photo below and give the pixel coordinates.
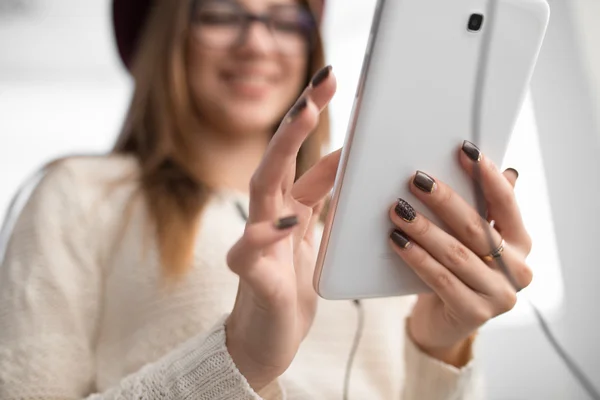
(180, 265)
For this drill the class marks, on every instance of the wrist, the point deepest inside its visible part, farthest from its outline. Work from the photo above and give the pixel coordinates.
(257, 377)
(458, 354)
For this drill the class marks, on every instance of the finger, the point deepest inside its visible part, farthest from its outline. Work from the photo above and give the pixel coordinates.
(310, 233)
(279, 160)
(319, 93)
(266, 185)
(305, 270)
(444, 248)
(318, 181)
(441, 280)
(500, 197)
(318, 210)
(305, 215)
(256, 239)
(464, 220)
(283, 148)
(513, 267)
(466, 265)
(511, 176)
(322, 87)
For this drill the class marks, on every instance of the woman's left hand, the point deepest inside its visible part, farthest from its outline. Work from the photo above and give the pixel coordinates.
(468, 291)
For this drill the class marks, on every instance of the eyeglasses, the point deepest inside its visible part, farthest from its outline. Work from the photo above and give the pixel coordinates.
(223, 24)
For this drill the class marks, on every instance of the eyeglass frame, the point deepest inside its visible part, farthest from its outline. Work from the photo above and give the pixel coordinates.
(249, 18)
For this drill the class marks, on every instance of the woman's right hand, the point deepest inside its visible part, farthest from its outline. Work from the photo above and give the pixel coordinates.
(275, 257)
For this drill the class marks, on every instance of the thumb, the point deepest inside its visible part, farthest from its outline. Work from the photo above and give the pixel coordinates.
(317, 182)
(309, 235)
(511, 176)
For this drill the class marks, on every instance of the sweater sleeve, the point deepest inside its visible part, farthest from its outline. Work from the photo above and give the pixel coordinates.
(200, 368)
(430, 379)
(50, 291)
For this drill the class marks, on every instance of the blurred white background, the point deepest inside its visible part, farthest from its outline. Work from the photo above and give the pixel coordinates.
(64, 91)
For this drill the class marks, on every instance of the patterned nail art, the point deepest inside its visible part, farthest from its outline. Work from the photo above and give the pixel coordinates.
(424, 182)
(405, 211)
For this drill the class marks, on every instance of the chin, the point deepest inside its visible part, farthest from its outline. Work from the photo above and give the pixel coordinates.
(252, 120)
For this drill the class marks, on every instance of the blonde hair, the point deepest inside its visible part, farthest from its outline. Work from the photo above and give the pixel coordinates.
(157, 130)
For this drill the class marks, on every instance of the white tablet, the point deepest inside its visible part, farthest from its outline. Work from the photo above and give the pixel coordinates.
(414, 106)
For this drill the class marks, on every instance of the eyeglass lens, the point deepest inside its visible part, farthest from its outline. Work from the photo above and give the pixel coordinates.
(223, 24)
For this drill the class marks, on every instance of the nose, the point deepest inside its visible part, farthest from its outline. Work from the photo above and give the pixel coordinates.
(257, 38)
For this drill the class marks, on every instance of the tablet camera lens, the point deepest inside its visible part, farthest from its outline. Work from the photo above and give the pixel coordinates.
(475, 22)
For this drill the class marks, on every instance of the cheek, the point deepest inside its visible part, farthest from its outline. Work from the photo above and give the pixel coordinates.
(204, 86)
(200, 72)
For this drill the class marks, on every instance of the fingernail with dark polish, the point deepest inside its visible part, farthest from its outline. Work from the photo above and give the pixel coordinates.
(471, 151)
(286, 223)
(405, 211)
(513, 170)
(400, 239)
(424, 182)
(320, 76)
(297, 109)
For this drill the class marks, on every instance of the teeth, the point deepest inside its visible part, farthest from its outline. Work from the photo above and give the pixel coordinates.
(250, 79)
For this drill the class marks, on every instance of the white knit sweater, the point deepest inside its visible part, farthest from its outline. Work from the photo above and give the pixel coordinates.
(84, 310)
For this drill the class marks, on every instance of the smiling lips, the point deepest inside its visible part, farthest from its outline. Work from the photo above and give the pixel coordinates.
(254, 85)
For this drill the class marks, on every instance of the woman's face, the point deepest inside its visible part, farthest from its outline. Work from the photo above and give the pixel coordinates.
(243, 73)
